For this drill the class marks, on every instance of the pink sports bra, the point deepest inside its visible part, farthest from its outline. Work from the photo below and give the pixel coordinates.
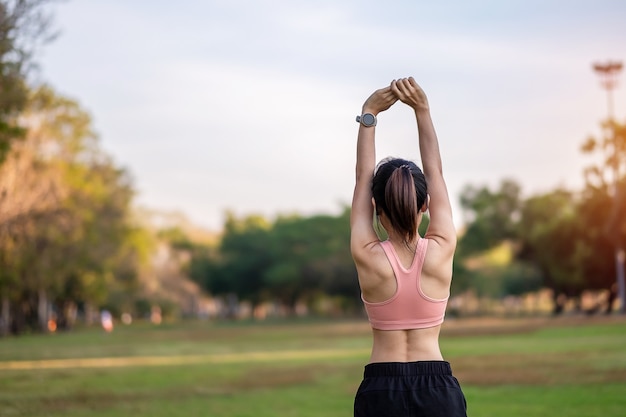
(409, 308)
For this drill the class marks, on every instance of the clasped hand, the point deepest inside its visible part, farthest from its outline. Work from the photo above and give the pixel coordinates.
(405, 89)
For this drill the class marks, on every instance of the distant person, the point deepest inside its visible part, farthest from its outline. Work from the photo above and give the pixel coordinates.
(106, 319)
(405, 279)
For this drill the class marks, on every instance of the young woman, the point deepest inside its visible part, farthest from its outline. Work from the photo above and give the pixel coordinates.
(404, 280)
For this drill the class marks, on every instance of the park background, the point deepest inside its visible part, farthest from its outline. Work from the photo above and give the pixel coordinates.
(187, 171)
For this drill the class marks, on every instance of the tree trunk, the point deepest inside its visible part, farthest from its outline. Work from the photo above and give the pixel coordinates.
(70, 313)
(232, 306)
(612, 296)
(90, 314)
(5, 316)
(559, 300)
(42, 310)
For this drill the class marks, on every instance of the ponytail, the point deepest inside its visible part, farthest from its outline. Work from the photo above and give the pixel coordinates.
(401, 202)
(399, 190)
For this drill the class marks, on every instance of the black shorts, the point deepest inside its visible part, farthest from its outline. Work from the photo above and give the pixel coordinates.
(413, 389)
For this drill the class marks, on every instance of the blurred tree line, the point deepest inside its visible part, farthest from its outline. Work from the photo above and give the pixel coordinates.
(561, 240)
(293, 259)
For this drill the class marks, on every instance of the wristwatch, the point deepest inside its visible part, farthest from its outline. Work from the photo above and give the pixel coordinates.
(367, 119)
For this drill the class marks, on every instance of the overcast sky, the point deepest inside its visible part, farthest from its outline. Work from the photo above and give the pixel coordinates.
(249, 106)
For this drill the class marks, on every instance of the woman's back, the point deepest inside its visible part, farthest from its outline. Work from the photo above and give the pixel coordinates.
(405, 301)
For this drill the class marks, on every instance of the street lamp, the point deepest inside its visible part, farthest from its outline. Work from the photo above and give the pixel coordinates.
(608, 73)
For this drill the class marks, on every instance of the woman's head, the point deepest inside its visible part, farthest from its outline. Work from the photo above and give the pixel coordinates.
(400, 192)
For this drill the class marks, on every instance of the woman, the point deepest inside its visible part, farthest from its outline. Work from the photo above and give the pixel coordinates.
(404, 280)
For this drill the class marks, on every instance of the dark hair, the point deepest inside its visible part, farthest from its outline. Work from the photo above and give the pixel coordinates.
(400, 191)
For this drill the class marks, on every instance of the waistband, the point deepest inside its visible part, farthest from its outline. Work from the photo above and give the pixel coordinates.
(378, 369)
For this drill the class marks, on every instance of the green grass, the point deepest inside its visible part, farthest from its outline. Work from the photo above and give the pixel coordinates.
(527, 367)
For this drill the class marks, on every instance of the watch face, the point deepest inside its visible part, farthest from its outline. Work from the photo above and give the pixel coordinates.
(368, 119)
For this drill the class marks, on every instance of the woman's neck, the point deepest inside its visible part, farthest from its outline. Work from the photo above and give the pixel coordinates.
(400, 242)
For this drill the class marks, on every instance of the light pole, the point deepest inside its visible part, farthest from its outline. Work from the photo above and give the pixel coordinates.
(608, 73)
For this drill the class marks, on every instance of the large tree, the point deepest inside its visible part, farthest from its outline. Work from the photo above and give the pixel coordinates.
(550, 236)
(607, 178)
(65, 235)
(24, 27)
(312, 257)
(244, 256)
(32, 189)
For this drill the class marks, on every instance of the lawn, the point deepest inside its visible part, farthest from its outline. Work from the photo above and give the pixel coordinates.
(568, 367)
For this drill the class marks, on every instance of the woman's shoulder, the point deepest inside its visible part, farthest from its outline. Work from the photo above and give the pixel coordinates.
(439, 257)
(371, 259)
(366, 252)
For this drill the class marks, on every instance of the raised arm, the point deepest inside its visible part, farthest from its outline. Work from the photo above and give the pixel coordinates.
(362, 230)
(441, 228)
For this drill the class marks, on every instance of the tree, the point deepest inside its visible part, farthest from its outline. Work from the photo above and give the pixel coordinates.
(599, 266)
(312, 257)
(609, 175)
(551, 239)
(491, 216)
(244, 258)
(293, 259)
(23, 27)
(31, 191)
(65, 232)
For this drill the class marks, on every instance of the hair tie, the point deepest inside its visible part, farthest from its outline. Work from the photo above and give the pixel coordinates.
(405, 166)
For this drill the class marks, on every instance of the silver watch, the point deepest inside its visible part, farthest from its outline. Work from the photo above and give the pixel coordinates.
(367, 119)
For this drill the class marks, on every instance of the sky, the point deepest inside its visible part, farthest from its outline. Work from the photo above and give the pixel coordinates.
(249, 106)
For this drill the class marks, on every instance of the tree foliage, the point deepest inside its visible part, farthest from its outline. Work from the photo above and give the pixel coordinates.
(550, 236)
(607, 176)
(24, 26)
(65, 235)
(564, 240)
(289, 260)
(491, 216)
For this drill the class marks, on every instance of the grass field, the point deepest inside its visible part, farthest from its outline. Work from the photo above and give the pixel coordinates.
(567, 367)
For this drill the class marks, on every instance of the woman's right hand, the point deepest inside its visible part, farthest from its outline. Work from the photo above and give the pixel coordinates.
(409, 92)
(380, 100)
